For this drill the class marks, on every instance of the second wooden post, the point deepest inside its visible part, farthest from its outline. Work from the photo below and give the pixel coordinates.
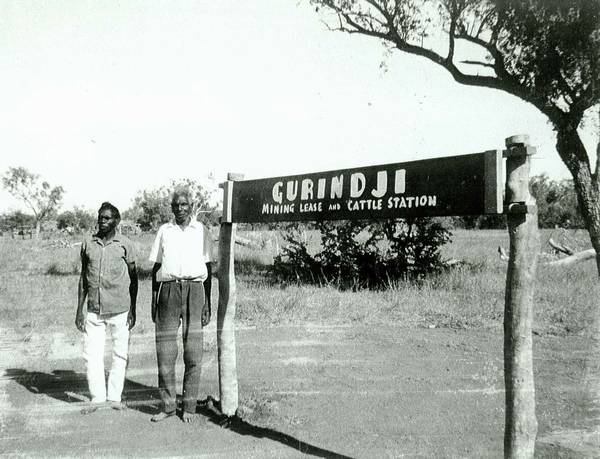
(520, 419)
(228, 384)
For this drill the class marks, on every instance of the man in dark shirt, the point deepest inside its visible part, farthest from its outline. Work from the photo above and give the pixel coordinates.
(109, 281)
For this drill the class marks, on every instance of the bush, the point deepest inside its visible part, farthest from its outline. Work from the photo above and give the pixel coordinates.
(363, 254)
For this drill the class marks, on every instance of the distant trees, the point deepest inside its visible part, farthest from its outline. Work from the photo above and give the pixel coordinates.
(38, 195)
(78, 219)
(557, 203)
(557, 207)
(151, 208)
(15, 219)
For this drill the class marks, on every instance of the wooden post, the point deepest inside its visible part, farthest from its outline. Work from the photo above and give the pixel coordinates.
(228, 384)
(520, 420)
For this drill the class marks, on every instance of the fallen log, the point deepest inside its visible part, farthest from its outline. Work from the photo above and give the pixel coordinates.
(572, 259)
(247, 242)
(560, 247)
(575, 258)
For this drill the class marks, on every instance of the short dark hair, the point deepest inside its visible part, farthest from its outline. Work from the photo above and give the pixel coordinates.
(108, 206)
(181, 192)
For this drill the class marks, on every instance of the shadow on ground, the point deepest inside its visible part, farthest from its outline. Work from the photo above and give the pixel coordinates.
(211, 409)
(71, 387)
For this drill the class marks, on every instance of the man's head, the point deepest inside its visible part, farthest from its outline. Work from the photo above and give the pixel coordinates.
(108, 218)
(181, 205)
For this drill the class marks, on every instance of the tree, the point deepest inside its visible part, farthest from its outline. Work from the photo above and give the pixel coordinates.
(546, 52)
(77, 219)
(39, 196)
(556, 201)
(152, 208)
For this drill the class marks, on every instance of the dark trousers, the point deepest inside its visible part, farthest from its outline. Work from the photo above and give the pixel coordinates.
(179, 302)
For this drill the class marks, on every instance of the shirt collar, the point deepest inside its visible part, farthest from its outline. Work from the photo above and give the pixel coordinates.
(193, 224)
(116, 238)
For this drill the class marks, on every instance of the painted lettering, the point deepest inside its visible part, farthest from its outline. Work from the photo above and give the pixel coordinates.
(357, 184)
(400, 181)
(381, 185)
(337, 184)
(277, 194)
(306, 191)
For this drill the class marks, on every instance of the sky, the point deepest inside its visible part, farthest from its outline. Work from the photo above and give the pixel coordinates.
(110, 98)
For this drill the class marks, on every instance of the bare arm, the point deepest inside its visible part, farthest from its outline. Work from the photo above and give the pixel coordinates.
(155, 286)
(82, 290)
(133, 291)
(206, 311)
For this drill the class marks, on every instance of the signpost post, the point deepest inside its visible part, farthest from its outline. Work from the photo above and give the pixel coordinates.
(457, 185)
(520, 421)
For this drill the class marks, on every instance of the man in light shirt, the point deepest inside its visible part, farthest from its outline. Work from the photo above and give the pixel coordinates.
(181, 285)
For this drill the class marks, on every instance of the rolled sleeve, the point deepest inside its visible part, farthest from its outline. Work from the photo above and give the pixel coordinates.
(207, 246)
(156, 250)
(130, 252)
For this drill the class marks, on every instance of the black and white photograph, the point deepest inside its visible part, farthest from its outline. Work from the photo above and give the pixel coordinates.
(300, 229)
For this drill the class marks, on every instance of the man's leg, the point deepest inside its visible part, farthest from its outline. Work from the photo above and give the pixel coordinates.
(167, 325)
(193, 297)
(120, 346)
(93, 353)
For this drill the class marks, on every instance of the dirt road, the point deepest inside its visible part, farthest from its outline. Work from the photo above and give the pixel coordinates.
(305, 391)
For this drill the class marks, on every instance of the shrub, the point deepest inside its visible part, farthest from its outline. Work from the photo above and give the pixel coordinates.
(363, 254)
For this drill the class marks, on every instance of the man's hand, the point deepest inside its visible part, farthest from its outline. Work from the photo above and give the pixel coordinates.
(80, 321)
(131, 319)
(206, 314)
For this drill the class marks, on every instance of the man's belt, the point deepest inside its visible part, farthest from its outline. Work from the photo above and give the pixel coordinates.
(182, 281)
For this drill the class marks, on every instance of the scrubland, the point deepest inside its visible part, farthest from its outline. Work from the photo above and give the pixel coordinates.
(38, 287)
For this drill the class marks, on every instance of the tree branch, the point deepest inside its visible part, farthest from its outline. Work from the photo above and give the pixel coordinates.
(359, 22)
(482, 64)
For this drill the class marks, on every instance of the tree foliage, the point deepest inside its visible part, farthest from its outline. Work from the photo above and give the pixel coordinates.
(364, 254)
(78, 219)
(557, 203)
(545, 52)
(151, 208)
(15, 220)
(38, 195)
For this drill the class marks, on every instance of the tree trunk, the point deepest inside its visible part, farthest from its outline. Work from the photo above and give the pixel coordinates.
(573, 154)
(38, 228)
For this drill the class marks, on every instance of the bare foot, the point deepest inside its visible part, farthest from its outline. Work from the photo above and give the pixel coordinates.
(188, 417)
(119, 406)
(92, 408)
(162, 416)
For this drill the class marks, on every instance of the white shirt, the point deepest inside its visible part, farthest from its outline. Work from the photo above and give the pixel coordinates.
(183, 253)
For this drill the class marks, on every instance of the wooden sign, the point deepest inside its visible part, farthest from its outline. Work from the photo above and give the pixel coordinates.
(455, 185)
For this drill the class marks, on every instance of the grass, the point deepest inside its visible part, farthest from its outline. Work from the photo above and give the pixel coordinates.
(38, 281)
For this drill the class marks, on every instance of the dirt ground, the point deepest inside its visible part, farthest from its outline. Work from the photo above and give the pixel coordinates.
(305, 391)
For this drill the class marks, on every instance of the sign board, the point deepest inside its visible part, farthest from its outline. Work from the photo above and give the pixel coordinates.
(455, 185)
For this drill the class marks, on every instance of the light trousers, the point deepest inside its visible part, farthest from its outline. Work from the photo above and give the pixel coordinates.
(93, 352)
